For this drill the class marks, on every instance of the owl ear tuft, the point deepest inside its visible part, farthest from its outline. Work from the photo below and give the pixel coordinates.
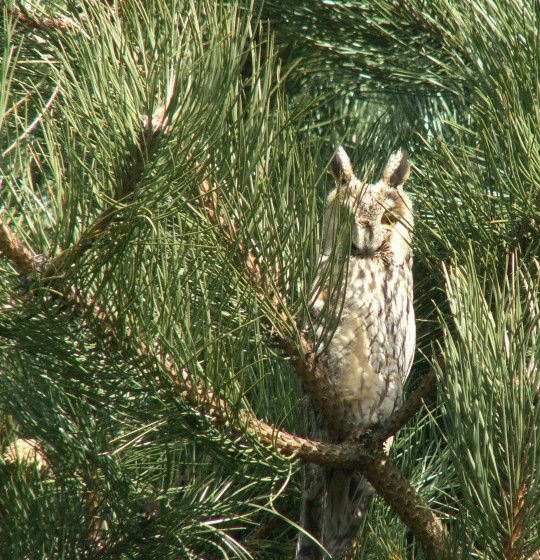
(397, 169)
(341, 167)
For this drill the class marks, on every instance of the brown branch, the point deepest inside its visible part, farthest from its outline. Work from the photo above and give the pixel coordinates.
(401, 417)
(379, 470)
(133, 173)
(22, 260)
(35, 20)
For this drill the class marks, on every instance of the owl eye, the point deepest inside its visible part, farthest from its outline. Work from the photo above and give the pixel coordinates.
(389, 219)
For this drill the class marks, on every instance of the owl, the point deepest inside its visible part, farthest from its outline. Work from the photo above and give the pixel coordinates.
(365, 329)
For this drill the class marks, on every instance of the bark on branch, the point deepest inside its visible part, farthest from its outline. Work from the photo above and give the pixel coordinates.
(374, 464)
(35, 20)
(21, 258)
(133, 173)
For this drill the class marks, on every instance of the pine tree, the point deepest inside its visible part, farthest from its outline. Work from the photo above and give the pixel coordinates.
(162, 173)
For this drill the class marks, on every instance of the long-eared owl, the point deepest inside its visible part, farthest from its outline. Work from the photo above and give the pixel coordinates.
(365, 327)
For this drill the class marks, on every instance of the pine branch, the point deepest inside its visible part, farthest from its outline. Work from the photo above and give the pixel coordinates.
(401, 417)
(21, 258)
(374, 464)
(35, 20)
(134, 172)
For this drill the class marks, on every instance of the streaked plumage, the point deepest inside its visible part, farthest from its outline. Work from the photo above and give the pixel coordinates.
(367, 337)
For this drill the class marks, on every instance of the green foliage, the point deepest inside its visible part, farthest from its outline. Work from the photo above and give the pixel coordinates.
(491, 413)
(253, 99)
(157, 474)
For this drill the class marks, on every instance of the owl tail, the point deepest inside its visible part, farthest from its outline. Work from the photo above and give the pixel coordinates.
(334, 504)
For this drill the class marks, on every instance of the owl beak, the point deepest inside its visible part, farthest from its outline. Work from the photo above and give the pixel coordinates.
(360, 252)
(364, 242)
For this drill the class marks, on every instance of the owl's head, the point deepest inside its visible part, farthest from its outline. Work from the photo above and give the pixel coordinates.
(378, 216)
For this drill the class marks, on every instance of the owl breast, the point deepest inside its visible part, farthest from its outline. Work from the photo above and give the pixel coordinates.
(370, 352)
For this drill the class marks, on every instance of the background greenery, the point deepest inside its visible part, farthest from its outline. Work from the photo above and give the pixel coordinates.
(257, 96)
